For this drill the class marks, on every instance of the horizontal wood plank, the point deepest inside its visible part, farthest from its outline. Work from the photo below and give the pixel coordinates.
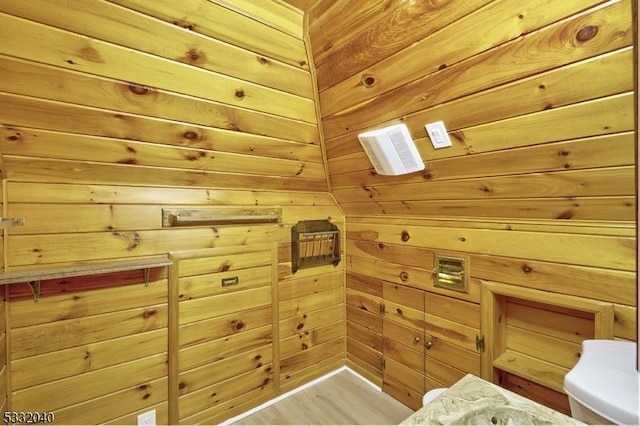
(214, 20)
(52, 395)
(118, 25)
(411, 63)
(611, 252)
(28, 192)
(102, 58)
(38, 143)
(547, 50)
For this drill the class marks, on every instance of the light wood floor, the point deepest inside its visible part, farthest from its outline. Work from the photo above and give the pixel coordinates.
(339, 400)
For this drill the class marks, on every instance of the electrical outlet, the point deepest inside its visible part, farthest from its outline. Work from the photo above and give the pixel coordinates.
(148, 418)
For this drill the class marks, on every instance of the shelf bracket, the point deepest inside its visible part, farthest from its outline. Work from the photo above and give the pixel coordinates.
(35, 289)
(147, 272)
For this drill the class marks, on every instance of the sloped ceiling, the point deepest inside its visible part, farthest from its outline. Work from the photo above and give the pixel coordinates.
(158, 93)
(530, 92)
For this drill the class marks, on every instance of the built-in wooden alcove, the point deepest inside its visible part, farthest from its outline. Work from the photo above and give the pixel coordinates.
(537, 335)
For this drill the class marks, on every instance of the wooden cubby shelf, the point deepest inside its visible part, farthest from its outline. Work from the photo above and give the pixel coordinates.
(34, 276)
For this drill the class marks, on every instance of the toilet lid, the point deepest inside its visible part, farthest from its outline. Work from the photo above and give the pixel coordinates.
(610, 393)
(605, 385)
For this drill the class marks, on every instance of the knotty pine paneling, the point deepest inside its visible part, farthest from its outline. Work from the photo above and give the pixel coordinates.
(218, 19)
(524, 94)
(153, 102)
(539, 187)
(109, 222)
(119, 25)
(120, 94)
(113, 111)
(402, 250)
(311, 320)
(76, 336)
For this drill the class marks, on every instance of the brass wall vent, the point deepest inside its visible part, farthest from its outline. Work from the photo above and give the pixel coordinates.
(451, 273)
(314, 242)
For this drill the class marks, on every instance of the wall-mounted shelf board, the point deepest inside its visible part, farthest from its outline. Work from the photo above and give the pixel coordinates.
(9, 222)
(218, 216)
(93, 268)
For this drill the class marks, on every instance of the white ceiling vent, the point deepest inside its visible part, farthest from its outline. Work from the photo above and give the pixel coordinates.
(391, 150)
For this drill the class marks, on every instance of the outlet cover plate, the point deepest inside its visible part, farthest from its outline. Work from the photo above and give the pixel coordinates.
(438, 134)
(147, 419)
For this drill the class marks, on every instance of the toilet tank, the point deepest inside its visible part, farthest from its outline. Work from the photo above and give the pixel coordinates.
(604, 382)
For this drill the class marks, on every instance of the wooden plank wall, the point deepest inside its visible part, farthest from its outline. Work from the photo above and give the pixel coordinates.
(111, 110)
(539, 186)
(114, 110)
(93, 349)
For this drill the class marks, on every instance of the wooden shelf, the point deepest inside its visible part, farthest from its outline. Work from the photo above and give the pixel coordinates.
(530, 368)
(52, 272)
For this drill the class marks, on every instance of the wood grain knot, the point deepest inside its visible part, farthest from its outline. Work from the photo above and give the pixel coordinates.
(405, 236)
(368, 80)
(486, 189)
(263, 60)
(90, 54)
(459, 136)
(191, 135)
(185, 25)
(195, 56)
(587, 33)
(404, 277)
(149, 313)
(239, 94)
(128, 161)
(526, 269)
(194, 156)
(138, 89)
(567, 214)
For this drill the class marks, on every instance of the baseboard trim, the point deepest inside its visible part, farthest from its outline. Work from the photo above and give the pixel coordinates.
(291, 392)
(364, 379)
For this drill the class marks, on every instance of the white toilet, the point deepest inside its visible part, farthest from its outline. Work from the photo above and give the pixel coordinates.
(603, 385)
(431, 395)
